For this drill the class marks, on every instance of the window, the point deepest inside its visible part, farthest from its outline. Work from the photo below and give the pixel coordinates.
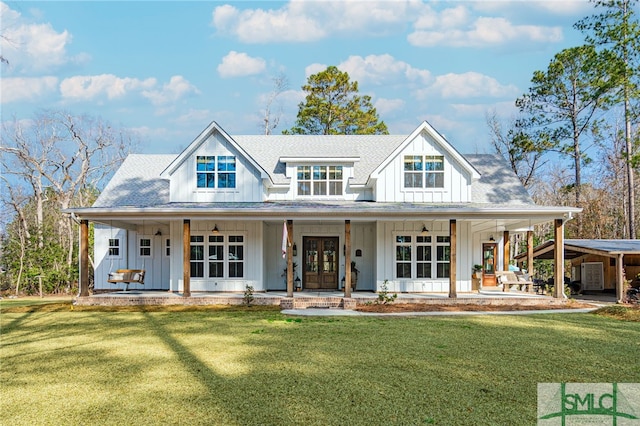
(431, 259)
(225, 256)
(423, 257)
(403, 256)
(208, 174)
(167, 247)
(206, 166)
(424, 171)
(197, 256)
(114, 247)
(145, 247)
(443, 256)
(236, 256)
(319, 180)
(216, 256)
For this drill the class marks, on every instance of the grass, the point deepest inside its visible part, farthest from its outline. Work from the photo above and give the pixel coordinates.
(248, 366)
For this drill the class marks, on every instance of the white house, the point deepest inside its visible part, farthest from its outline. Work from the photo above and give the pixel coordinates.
(407, 209)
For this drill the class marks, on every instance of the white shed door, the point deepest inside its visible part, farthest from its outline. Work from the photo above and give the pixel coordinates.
(592, 276)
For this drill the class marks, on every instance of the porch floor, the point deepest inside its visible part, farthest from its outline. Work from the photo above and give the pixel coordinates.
(311, 299)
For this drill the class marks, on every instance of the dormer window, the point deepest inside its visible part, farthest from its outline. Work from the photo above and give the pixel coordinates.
(319, 180)
(216, 172)
(424, 171)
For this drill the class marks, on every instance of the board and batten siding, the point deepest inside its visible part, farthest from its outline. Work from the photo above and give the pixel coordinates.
(252, 233)
(390, 183)
(184, 188)
(387, 232)
(105, 263)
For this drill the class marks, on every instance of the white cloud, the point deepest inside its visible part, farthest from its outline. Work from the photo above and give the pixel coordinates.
(194, 116)
(26, 88)
(455, 27)
(30, 47)
(237, 64)
(385, 106)
(177, 88)
(383, 69)
(84, 88)
(468, 85)
(304, 21)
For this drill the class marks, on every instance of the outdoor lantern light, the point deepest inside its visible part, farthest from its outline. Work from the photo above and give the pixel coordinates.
(425, 231)
(215, 229)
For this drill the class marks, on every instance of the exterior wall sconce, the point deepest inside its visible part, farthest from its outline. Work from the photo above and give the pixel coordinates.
(295, 253)
(492, 239)
(158, 232)
(215, 229)
(424, 231)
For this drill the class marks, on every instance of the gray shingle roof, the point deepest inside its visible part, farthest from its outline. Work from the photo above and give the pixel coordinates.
(137, 182)
(371, 149)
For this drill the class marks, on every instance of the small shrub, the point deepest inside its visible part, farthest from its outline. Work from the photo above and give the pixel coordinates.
(248, 295)
(384, 297)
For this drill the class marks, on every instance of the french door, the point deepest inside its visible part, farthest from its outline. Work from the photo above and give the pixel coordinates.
(320, 263)
(489, 259)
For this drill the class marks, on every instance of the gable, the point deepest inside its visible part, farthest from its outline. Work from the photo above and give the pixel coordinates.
(424, 168)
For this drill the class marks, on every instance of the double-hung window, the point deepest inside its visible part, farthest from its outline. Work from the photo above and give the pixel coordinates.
(424, 171)
(319, 180)
(216, 172)
(224, 256)
(197, 256)
(114, 247)
(422, 257)
(145, 247)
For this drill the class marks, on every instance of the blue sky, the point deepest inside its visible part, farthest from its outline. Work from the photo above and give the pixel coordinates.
(167, 69)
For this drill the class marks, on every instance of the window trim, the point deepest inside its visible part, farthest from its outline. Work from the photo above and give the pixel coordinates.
(217, 172)
(149, 247)
(414, 244)
(328, 182)
(116, 246)
(206, 243)
(423, 173)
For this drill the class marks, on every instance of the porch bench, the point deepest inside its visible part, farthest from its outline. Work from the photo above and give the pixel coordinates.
(126, 276)
(516, 279)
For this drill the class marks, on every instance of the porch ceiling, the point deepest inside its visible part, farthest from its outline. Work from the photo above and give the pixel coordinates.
(485, 217)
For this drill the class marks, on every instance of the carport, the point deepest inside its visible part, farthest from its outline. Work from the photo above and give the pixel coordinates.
(622, 255)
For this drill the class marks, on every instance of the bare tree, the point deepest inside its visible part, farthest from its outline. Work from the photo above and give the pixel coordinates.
(55, 159)
(511, 141)
(271, 119)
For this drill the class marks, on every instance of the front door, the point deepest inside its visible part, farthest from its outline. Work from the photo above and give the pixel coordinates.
(489, 259)
(320, 263)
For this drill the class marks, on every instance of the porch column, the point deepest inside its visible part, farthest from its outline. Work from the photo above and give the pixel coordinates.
(347, 258)
(558, 267)
(84, 259)
(289, 259)
(186, 258)
(620, 278)
(530, 254)
(506, 255)
(453, 238)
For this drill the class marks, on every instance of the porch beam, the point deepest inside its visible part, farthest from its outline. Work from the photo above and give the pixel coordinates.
(453, 239)
(186, 258)
(83, 290)
(620, 278)
(530, 254)
(506, 252)
(289, 258)
(347, 258)
(558, 267)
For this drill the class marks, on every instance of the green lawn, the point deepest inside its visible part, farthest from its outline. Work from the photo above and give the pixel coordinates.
(255, 366)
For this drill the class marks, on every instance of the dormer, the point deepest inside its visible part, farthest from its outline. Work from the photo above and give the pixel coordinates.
(214, 168)
(424, 168)
(319, 177)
